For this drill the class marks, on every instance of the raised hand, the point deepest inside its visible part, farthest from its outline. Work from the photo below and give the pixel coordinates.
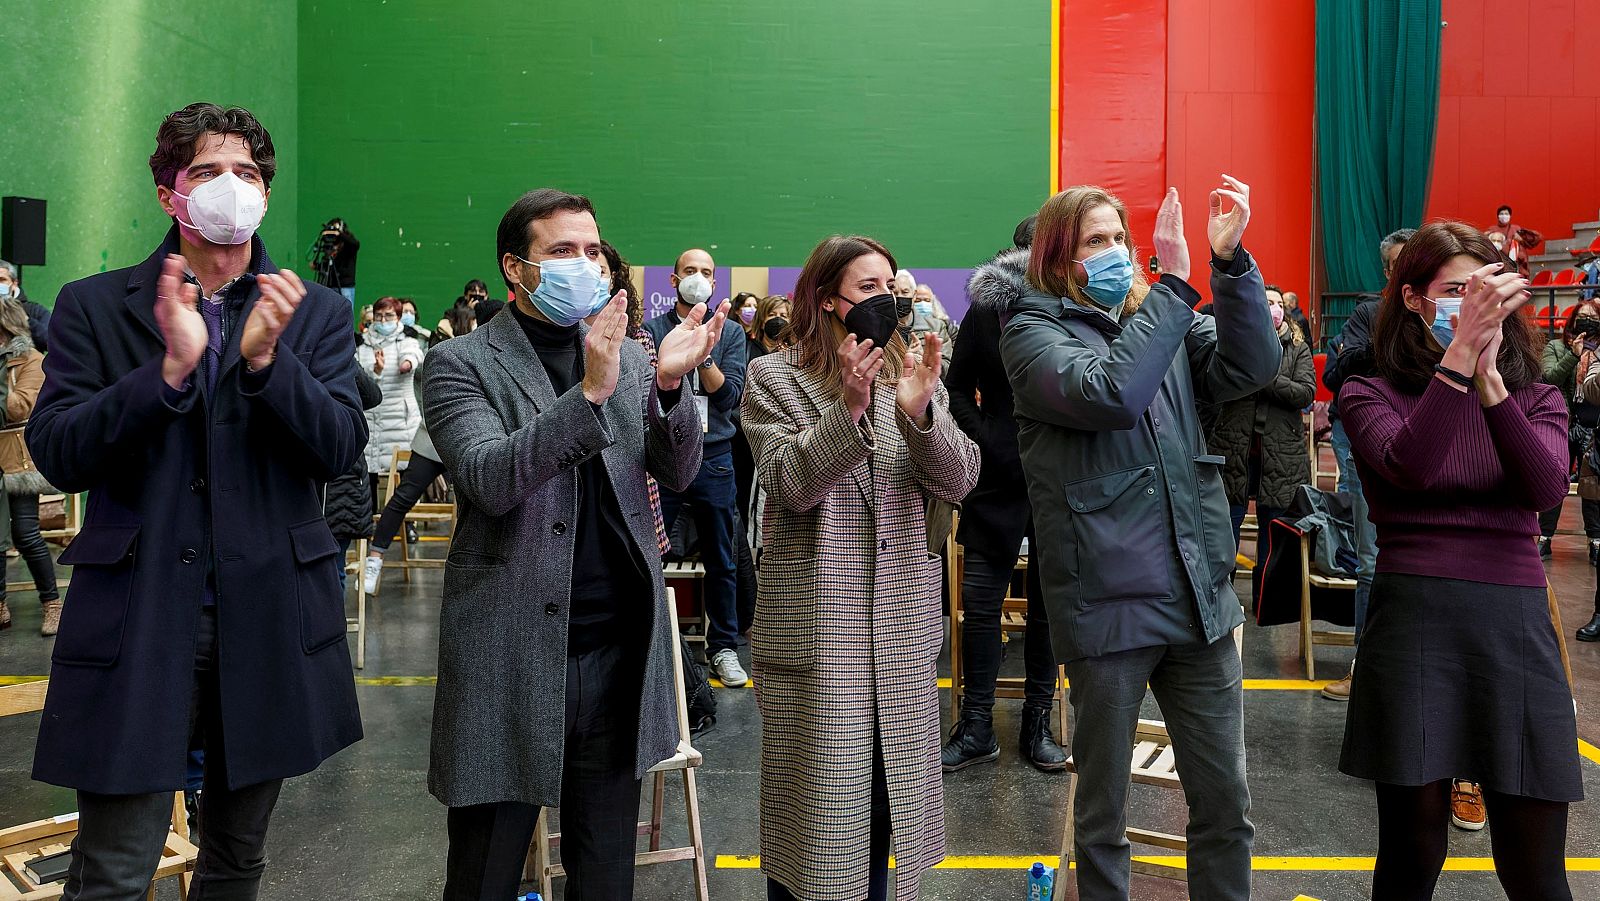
(859, 364)
(178, 317)
(688, 345)
(281, 294)
(1172, 249)
(602, 350)
(918, 379)
(1490, 296)
(377, 361)
(1226, 230)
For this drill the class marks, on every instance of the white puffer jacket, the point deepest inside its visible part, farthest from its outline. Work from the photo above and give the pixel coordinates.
(391, 424)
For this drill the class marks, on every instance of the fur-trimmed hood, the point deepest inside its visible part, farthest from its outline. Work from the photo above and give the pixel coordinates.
(1001, 282)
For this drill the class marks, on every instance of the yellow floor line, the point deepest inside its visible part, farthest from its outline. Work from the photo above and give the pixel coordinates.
(1589, 752)
(1276, 864)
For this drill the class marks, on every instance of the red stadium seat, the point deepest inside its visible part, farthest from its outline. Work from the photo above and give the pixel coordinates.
(1543, 277)
(1566, 277)
(1593, 248)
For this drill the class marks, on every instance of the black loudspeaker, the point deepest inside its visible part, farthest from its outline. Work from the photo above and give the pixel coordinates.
(22, 230)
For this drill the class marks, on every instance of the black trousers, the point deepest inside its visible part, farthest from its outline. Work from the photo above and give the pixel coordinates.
(419, 474)
(599, 796)
(120, 836)
(31, 545)
(984, 587)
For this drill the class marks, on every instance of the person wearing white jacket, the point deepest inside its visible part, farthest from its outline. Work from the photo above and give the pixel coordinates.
(393, 358)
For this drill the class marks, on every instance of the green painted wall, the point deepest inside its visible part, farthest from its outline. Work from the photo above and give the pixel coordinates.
(755, 129)
(87, 82)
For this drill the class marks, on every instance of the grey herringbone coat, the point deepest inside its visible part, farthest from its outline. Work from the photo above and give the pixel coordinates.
(513, 447)
(848, 627)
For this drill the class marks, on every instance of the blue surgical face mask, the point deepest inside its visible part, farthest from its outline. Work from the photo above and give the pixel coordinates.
(1110, 275)
(385, 328)
(1443, 308)
(6, 291)
(570, 290)
(924, 307)
(408, 319)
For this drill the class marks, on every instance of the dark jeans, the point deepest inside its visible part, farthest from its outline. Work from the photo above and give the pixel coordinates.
(120, 836)
(1264, 515)
(419, 474)
(878, 867)
(713, 497)
(599, 796)
(1549, 519)
(31, 545)
(1201, 695)
(984, 587)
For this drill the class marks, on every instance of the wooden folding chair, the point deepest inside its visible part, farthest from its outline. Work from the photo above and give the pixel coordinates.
(19, 845)
(1013, 622)
(358, 623)
(541, 866)
(691, 570)
(1152, 763)
(1310, 637)
(422, 512)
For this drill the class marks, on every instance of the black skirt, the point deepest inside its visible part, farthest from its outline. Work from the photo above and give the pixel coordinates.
(1462, 680)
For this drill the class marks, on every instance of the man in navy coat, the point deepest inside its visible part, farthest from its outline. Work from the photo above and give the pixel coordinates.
(202, 398)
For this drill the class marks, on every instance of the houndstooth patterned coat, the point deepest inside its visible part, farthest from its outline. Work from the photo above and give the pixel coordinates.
(848, 627)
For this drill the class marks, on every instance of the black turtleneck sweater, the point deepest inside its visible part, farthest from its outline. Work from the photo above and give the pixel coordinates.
(607, 599)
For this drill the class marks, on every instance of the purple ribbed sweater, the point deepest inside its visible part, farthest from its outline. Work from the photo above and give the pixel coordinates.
(1454, 489)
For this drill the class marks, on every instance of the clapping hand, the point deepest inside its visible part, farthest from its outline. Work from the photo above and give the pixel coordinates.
(1226, 230)
(602, 350)
(281, 293)
(688, 345)
(859, 364)
(178, 317)
(918, 378)
(1172, 249)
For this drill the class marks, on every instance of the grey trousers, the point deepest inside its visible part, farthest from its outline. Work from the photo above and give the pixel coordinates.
(1201, 696)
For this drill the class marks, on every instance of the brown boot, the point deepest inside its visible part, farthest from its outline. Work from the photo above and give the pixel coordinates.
(52, 619)
(5, 616)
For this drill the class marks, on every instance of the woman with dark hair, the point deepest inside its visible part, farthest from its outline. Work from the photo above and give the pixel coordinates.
(1460, 676)
(456, 321)
(851, 440)
(1566, 361)
(744, 307)
(23, 368)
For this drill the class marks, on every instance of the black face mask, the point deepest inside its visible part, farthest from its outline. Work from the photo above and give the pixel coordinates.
(774, 327)
(873, 319)
(1586, 326)
(902, 307)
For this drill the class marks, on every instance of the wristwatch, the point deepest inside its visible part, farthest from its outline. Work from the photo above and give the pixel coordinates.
(708, 363)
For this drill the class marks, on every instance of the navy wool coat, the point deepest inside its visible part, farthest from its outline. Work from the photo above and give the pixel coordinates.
(257, 451)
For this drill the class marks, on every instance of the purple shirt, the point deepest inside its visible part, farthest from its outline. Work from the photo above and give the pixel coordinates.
(1454, 489)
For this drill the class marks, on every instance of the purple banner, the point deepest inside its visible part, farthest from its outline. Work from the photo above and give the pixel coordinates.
(949, 285)
(659, 295)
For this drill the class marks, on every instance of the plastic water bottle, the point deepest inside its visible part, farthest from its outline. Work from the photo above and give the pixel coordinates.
(1041, 882)
(531, 896)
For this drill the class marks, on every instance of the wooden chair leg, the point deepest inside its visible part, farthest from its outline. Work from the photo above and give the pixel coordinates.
(1069, 828)
(691, 803)
(405, 552)
(656, 801)
(1062, 702)
(362, 549)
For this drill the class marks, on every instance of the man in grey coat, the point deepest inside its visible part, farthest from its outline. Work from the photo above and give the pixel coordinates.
(555, 649)
(1135, 543)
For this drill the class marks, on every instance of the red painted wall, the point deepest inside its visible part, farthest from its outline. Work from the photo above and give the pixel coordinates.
(1176, 92)
(1519, 105)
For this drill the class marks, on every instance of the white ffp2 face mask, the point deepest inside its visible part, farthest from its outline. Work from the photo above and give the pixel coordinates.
(225, 210)
(695, 289)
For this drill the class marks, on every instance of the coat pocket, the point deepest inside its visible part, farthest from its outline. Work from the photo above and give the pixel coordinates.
(1221, 548)
(316, 579)
(96, 613)
(1120, 536)
(784, 634)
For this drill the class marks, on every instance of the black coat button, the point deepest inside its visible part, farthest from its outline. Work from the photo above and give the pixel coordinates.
(552, 608)
(559, 528)
(883, 544)
(189, 555)
(197, 486)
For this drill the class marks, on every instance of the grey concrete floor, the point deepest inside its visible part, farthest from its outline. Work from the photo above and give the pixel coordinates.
(364, 827)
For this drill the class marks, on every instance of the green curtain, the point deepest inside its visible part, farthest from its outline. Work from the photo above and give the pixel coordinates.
(1377, 106)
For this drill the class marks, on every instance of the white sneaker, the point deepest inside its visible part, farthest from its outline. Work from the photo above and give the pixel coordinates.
(725, 666)
(373, 568)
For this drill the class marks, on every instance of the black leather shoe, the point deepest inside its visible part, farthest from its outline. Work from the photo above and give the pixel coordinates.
(1594, 553)
(1590, 632)
(1038, 745)
(1544, 547)
(971, 742)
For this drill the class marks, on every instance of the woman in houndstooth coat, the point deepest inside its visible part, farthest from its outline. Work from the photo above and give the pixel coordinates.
(851, 440)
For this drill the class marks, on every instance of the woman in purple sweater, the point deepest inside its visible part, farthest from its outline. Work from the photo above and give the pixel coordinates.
(1460, 675)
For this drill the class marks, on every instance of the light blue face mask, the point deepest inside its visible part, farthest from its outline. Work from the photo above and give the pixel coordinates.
(570, 290)
(1110, 275)
(924, 308)
(1443, 308)
(385, 328)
